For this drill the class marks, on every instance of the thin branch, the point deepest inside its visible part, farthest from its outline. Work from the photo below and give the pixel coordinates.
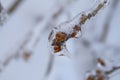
(71, 29)
(113, 70)
(108, 20)
(14, 6)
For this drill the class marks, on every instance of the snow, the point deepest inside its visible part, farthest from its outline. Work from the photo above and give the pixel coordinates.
(24, 25)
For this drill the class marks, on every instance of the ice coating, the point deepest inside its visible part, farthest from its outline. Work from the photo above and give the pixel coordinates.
(71, 29)
(62, 33)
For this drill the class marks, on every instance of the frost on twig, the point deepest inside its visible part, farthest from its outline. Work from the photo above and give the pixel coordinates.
(29, 43)
(106, 65)
(97, 75)
(71, 29)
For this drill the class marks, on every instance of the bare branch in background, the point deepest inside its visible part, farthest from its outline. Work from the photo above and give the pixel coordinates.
(50, 66)
(113, 70)
(3, 15)
(1, 7)
(108, 20)
(31, 40)
(14, 6)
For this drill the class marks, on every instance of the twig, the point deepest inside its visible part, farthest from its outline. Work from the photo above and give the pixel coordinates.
(14, 6)
(108, 20)
(113, 70)
(71, 29)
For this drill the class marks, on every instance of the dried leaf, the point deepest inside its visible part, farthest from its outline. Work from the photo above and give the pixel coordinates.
(101, 61)
(26, 55)
(57, 49)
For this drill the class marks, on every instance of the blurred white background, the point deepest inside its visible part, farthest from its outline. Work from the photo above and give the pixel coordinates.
(24, 45)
